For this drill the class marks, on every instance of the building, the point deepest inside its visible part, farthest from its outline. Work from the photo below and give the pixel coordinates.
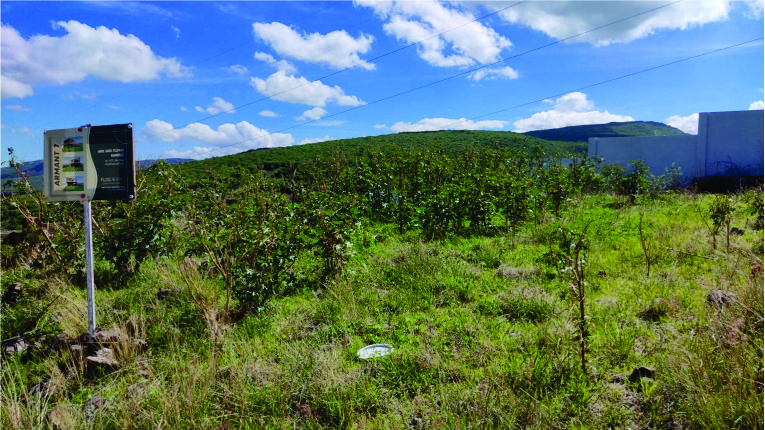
(727, 144)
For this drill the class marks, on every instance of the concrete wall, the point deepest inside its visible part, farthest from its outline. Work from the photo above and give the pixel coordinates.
(727, 143)
(732, 143)
(657, 152)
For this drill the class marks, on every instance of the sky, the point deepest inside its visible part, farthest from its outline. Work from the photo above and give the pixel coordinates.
(206, 79)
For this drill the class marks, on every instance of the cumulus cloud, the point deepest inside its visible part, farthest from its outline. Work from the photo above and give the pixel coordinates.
(563, 19)
(226, 139)
(495, 73)
(237, 69)
(446, 34)
(312, 114)
(570, 109)
(433, 124)
(218, 106)
(315, 140)
(84, 51)
(268, 114)
(759, 104)
(18, 108)
(281, 65)
(336, 49)
(287, 88)
(688, 124)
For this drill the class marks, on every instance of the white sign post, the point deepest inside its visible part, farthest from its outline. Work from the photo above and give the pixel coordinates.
(89, 163)
(89, 269)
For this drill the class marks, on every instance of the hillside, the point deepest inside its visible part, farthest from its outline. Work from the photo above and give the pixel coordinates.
(581, 133)
(277, 159)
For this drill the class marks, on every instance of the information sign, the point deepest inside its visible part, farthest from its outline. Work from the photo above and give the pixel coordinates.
(90, 163)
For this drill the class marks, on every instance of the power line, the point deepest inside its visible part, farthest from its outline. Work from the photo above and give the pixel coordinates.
(628, 75)
(372, 60)
(558, 94)
(447, 78)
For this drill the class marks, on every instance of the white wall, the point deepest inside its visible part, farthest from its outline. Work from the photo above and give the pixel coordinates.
(732, 142)
(728, 142)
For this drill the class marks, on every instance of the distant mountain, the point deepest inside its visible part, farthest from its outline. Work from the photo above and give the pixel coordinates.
(31, 168)
(143, 164)
(581, 133)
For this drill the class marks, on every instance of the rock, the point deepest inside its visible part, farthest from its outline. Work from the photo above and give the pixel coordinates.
(102, 336)
(62, 341)
(104, 359)
(720, 298)
(736, 231)
(14, 345)
(640, 373)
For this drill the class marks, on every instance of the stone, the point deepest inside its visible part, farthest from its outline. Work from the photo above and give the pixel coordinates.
(103, 359)
(720, 298)
(736, 231)
(62, 341)
(107, 336)
(14, 345)
(641, 372)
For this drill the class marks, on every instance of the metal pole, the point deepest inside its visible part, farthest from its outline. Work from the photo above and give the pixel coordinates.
(89, 269)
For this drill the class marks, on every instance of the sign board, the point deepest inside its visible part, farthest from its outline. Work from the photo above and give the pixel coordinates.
(89, 163)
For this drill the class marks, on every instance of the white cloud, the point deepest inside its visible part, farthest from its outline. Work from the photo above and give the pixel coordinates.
(176, 31)
(287, 88)
(315, 140)
(84, 51)
(433, 124)
(115, 107)
(497, 73)
(380, 126)
(218, 106)
(19, 130)
(226, 139)
(336, 49)
(570, 109)
(268, 114)
(77, 94)
(312, 114)
(238, 69)
(447, 35)
(759, 104)
(281, 65)
(183, 108)
(563, 19)
(688, 124)
(18, 108)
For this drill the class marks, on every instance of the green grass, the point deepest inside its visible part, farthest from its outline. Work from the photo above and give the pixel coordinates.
(484, 335)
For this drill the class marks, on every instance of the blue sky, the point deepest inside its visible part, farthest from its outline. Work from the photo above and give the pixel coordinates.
(203, 79)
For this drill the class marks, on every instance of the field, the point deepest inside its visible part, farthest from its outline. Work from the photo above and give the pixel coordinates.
(516, 293)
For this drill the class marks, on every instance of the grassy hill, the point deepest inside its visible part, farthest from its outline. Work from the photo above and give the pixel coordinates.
(277, 159)
(581, 133)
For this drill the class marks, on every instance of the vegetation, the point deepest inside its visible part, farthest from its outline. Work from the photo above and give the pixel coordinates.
(516, 291)
(582, 133)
